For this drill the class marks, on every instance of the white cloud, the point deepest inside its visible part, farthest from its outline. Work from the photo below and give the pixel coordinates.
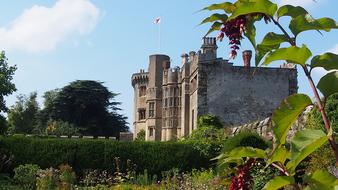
(43, 28)
(334, 49)
(297, 2)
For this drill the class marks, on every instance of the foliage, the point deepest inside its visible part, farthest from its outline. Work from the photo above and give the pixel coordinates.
(314, 120)
(99, 154)
(59, 128)
(245, 138)
(210, 120)
(47, 179)
(6, 161)
(197, 179)
(209, 132)
(25, 175)
(67, 177)
(240, 20)
(3, 125)
(262, 174)
(323, 157)
(209, 128)
(141, 136)
(88, 105)
(6, 77)
(22, 115)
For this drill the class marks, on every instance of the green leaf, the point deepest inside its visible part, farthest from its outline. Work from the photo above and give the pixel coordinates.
(328, 61)
(279, 155)
(292, 11)
(270, 42)
(291, 54)
(279, 182)
(261, 51)
(287, 113)
(214, 27)
(321, 179)
(215, 17)
(272, 39)
(250, 32)
(305, 22)
(328, 84)
(241, 152)
(226, 6)
(254, 6)
(303, 144)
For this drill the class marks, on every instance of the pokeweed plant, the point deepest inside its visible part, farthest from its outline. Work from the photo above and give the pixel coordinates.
(238, 20)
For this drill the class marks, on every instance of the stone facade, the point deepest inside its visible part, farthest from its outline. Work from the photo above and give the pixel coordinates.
(168, 101)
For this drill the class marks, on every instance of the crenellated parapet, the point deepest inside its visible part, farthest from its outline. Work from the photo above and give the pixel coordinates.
(139, 78)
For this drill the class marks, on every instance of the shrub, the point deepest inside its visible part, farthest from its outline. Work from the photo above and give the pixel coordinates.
(59, 128)
(25, 175)
(99, 154)
(6, 161)
(141, 136)
(209, 120)
(67, 177)
(245, 138)
(47, 179)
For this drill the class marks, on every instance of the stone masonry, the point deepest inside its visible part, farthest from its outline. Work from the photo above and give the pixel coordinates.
(168, 101)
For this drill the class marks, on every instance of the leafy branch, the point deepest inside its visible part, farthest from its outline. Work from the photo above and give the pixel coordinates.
(239, 21)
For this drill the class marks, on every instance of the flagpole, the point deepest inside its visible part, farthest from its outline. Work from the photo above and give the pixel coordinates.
(159, 37)
(158, 22)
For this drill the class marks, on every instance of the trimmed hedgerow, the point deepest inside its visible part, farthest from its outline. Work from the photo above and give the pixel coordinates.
(84, 154)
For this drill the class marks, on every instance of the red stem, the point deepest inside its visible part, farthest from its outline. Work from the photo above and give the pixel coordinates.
(320, 106)
(322, 111)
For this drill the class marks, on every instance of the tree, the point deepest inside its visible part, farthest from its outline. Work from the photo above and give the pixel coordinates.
(88, 105)
(7, 87)
(43, 116)
(22, 115)
(209, 128)
(6, 77)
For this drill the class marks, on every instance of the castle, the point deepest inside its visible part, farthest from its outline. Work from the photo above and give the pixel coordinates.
(168, 101)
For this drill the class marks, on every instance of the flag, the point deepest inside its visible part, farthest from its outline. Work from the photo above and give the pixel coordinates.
(157, 20)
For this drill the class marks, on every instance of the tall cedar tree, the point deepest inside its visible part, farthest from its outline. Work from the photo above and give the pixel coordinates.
(88, 105)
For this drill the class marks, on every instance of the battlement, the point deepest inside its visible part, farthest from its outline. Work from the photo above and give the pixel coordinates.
(141, 77)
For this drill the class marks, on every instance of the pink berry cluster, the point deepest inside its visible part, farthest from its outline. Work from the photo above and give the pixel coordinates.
(243, 179)
(233, 29)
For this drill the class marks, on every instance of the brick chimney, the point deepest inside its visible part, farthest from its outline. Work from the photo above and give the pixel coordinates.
(247, 54)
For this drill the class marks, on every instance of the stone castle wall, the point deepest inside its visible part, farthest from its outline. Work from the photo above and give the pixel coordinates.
(168, 102)
(239, 95)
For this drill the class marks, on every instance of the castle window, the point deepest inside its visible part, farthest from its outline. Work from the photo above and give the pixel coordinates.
(192, 119)
(151, 109)
(170, 102)
(151, 131)
(141, 114)
(142, 91)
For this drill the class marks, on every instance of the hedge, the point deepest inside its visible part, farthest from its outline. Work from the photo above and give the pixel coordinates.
(84, 154)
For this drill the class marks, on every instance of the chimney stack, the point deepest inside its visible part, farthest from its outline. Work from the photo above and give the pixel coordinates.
(247, 54)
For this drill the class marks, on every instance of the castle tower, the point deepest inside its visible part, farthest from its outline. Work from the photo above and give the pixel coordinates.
(157, 63)
(171, 104)
(139, 83)
(185, 95)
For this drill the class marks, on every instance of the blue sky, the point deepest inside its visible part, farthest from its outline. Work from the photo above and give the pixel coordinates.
(54, 42)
